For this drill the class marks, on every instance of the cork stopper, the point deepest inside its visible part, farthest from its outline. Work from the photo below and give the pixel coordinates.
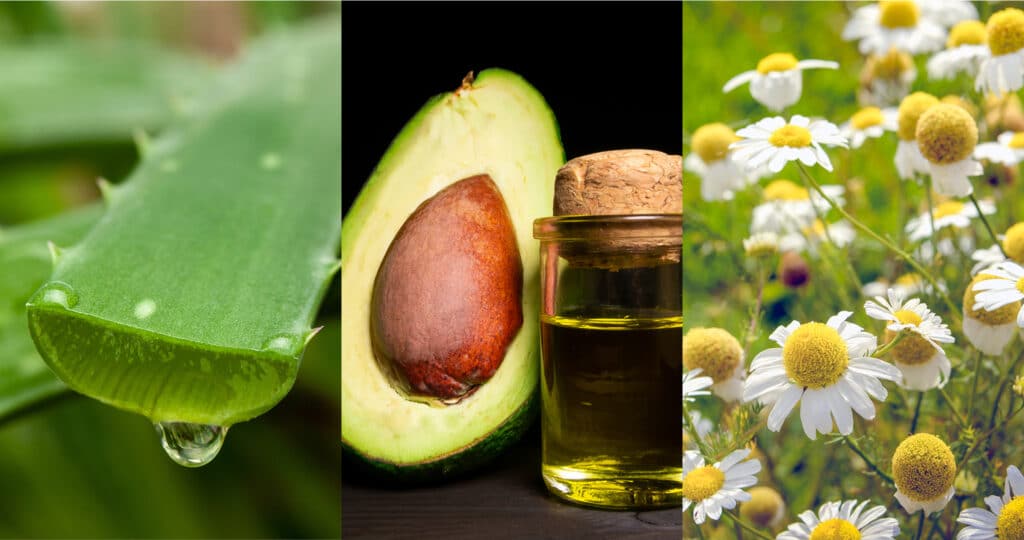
(623, 182)
(620, 182)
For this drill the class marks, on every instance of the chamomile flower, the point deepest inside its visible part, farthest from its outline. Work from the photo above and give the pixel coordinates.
(694, 385)
(826, 368)
(761, 245)
(719, 355)
(908, 156)
(844, 520)
(1005, 516)
(988, 331)
(923, 469)
(788, 207)
(953, 214)
(1003, 71)
(946, 136)
(948, 12)
(894, 23)
(777, 81)
(774, 142)
(766, 509)
(886, 79)
(710, 488)
(918, 354)
(1008, 149)
(1011, 243)
(869, 122)
(841, 233)
(1005, 288)
(720, 173)
(966, 48)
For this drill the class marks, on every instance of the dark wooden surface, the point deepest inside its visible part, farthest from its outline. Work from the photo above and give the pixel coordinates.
(507, 499)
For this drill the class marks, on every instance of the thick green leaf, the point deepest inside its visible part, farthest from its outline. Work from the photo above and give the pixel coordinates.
(193, 297)
(69, 92)
(25, 263)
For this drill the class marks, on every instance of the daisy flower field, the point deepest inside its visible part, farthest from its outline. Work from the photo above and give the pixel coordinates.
(835, 400)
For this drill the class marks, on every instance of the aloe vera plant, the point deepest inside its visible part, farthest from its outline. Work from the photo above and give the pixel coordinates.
(192, 298)
(25, 260)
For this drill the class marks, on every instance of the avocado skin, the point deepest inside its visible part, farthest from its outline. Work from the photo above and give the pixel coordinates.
(362, 459)
(444, 469)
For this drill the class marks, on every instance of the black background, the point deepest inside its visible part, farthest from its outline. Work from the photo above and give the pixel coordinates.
(611, 72)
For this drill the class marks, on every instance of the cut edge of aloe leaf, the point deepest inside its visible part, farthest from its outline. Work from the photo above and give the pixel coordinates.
(205, 376)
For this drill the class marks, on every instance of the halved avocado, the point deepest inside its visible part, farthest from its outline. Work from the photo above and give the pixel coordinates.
(496, 125)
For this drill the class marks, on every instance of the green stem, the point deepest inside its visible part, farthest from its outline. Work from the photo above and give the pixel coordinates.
(954, 311)
(988, 227)
(917, 413)
(871, 465)
(920, 526)
(974, 385)
(736, 519)
(691, 430)
(755, 316)
(1002, 388)
(879, 352)
(952, 406)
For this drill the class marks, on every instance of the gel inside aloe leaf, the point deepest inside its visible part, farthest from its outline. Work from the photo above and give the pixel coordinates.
(192, 299)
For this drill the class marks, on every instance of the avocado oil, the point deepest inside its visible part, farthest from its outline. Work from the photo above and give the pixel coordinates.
(611, 396)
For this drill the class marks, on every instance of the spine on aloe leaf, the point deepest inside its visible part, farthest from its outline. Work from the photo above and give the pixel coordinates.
(193, 297)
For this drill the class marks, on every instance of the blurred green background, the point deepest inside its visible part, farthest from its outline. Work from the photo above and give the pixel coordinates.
(80, 83)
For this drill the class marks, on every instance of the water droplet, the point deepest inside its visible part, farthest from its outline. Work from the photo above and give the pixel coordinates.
(270, 161)
(191, 445)
(145, 308)
(58, 293)
(284, 344)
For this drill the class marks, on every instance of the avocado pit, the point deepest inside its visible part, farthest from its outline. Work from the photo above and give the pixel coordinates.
(446, 300)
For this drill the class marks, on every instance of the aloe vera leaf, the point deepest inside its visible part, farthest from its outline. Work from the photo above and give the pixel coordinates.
(25, 263)
(68, 92)
(192, 298)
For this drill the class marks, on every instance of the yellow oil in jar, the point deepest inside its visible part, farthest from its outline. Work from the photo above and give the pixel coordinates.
(611, 391)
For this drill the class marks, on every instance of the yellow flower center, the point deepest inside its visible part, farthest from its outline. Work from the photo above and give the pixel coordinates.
(1006, 31)
(908, 280)
(784, 190)
(714, 350)
(1013, 242)
(835, 529)
(1017, 142)
(890, 65)
(699, 484)
(763, 505)
(776, 62)
(866, 117)
(711, 141)
(898, 13)
(923, 467)
(953, 99)
(790, 135)
(1004, 315)
(815, 355)
(1020, 285)
(815, 229)
(912, 349)
(948, 208)
(946, 134)
(1010, 525)
(911, 109)
(967, 33)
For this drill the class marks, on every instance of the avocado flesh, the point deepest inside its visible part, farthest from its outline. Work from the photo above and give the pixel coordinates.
(499, 126)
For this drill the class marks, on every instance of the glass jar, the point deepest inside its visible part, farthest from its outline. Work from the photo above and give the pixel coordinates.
(611, 359)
